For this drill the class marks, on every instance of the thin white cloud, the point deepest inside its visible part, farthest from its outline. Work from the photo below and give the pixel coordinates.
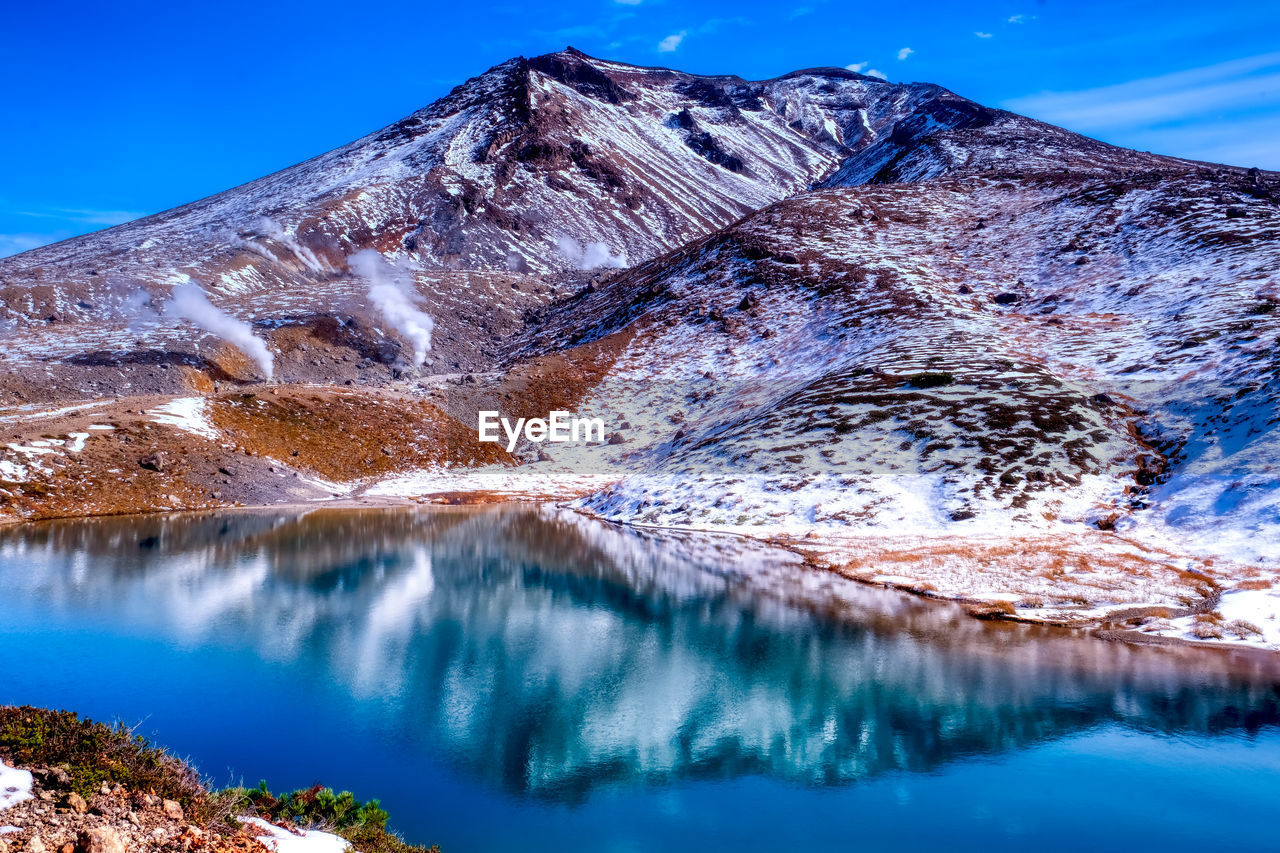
(980, 34)
(1252, 83)
(1017, 19)
(714, 25)
(1211, 113)
(905, 52)
(872, 72)
(856, 67)
(671, 42)
(1241, 142)
(629, 2)
(84, 216)
(59, 223)
(12, 244)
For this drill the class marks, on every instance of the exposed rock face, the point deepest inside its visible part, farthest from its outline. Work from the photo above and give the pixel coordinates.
(102, 839)
(494, 175)
(114, 820)
(76, 803)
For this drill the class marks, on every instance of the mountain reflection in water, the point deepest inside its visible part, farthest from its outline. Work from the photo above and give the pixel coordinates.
(548, 655)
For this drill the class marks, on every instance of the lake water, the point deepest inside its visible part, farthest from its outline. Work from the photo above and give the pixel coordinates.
(519, 678)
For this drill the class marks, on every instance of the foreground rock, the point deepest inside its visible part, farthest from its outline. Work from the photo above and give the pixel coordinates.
(113, 820)
(75, 786)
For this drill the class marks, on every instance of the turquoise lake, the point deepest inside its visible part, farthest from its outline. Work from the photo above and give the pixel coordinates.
(517, 677)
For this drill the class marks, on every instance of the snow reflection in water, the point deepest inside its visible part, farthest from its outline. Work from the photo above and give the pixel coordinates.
(549, 656)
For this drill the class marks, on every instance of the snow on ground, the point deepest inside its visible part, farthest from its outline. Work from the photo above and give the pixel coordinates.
(781, 141)
(335, 490)
(1249, 617)
(540, 481)
(34, 411)
(21, 463)
(35, 459)
(949, 386)
(304, 841)
(1258, 608)
(15, 786)
(188, 414)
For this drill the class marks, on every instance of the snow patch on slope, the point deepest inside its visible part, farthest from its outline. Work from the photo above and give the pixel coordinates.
(281, 840)
(15, 786)
(189, 414)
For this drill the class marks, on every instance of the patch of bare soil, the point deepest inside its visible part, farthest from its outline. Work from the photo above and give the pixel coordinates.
(536, 385)
(136, 467)
(343, 436)
(269, 449)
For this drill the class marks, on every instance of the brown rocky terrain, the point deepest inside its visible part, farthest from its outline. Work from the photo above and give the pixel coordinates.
(114, 820)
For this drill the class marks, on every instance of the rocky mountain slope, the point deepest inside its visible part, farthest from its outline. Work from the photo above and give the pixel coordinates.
(543, 165)
(503, 173)
(875, 319)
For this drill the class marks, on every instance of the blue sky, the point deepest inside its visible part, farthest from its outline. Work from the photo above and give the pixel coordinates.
(112, 111)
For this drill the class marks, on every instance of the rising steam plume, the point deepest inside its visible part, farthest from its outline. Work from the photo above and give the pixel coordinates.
(590, 256)
(190, 303)
(392, 292)
(270, 228)
(265, 226)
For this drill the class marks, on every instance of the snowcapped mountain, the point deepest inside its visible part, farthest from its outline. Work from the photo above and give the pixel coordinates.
(1072, 368)
(821, 305)
(535, 155)
(509, 165)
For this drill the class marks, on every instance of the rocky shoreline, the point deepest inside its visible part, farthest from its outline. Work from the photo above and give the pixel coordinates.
(1179, 600)
(113, 820)
(69, 785)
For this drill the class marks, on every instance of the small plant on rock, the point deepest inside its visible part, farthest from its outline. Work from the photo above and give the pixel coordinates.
(1243, 629)
(363, 824)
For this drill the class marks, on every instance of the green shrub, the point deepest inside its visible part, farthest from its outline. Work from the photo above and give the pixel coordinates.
(93, 753)
(363, 824)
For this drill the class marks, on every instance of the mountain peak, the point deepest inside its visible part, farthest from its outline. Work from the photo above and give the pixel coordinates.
(834, 73)
(569, 147)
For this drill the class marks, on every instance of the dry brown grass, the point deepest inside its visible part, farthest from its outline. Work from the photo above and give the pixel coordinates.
(467, 498)
(1206, 631)
(1048, 558)
(561, 380)
(1243, 629)
(991, 609)
(106, 479)
(1064, 573)
(345, 436)
(1254, 584)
